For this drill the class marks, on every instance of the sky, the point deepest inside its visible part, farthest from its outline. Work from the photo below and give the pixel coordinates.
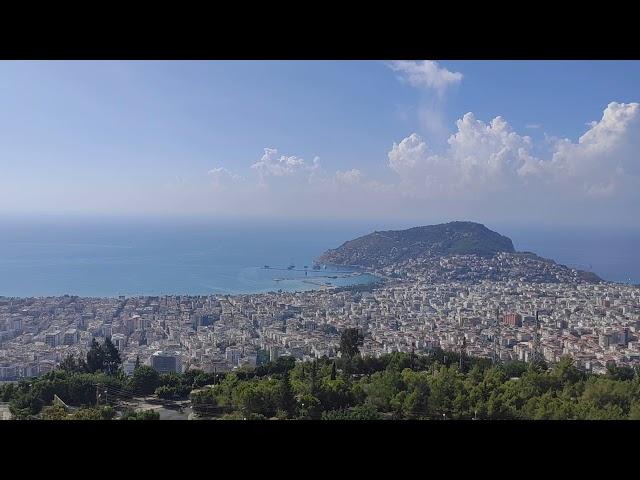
(554, 142)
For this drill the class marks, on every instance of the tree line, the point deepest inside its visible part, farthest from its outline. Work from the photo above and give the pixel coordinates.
(437, 385)
(406, 386)
(90, 385)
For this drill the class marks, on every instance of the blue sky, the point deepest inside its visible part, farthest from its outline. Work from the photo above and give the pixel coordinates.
(180, 138)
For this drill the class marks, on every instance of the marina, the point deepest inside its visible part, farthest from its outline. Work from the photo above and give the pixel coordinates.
(317, 278)
(291, 268)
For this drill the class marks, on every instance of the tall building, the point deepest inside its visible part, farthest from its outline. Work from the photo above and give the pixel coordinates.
(274, 353)
(53, 339)
(166, 362)
(106, 330)
(513, 319)
(71, 337)
(119, 340)
(129, 366)
(232, 355)
(17, 324)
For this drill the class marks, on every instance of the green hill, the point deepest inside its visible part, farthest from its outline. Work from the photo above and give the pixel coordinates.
(384, 248)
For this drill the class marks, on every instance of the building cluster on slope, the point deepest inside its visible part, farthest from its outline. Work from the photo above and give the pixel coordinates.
(423, 304)
(503, 266)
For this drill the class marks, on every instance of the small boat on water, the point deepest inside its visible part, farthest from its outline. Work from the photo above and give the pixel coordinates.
(266, 266)
(291, 267)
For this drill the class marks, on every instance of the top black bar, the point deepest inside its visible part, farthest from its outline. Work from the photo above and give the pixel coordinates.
(405, 34)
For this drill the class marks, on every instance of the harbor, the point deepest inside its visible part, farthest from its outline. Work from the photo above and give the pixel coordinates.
(320, 276)
(292, 268)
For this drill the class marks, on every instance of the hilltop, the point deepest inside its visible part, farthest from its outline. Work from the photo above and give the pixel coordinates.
(393, 246)
(455, 251)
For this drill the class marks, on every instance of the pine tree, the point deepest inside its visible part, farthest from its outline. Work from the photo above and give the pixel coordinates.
(70, 364)
(137, 365)
(350, 340)
(314, 377)
(286, 396)
(333, 371)
(112, 359)
(95, 357)
(413, 357)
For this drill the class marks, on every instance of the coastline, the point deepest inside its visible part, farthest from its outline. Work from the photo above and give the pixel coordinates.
(322, 280)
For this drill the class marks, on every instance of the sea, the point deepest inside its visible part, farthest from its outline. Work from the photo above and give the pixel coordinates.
(109, 257)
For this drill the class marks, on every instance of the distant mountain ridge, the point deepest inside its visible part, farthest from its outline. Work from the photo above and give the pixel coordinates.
(392, 246)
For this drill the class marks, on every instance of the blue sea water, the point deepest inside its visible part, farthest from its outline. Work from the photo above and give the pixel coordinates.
(156, 257)
(148, 257)
(611, 253)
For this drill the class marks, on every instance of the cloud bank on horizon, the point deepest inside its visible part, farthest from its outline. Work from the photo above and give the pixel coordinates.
(488, 168)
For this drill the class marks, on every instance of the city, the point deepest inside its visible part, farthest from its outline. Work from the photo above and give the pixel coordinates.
(593, 323)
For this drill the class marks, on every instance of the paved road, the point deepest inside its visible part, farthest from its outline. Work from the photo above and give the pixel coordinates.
(5, 414)
(170, 412)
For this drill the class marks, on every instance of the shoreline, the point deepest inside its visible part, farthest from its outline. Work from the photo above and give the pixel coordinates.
(318, 286)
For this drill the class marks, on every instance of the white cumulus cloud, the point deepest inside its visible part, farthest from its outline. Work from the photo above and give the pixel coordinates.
(221, 175)
(485, 170)
(492, 157)
(349, 177)
(270, 164)
(426, 74)
(606, 159)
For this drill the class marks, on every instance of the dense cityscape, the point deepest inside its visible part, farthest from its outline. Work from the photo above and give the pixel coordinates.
(594, 323)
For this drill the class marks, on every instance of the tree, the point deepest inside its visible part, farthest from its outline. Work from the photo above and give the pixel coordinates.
(8, 391)
(313, 378)
(336, 394)
(634, 411)
(102, 413)
(172, 386)
(72, 365)
(202, 379)
(95, 357)
(144, 380)
(286, 401)
(350, 340)
(204, 402)
(103, 358)
(165, 392)
(620, 373)
(333, 371)
(24, 405)
(359, 412)
(148, 415)
(111, 354)
(54, 412)
(514, 368)
(137, 365)
(566, 371)
(382, 387)
(309, 408)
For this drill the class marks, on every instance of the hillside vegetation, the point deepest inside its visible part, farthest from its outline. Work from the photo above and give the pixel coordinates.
(393, 246)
